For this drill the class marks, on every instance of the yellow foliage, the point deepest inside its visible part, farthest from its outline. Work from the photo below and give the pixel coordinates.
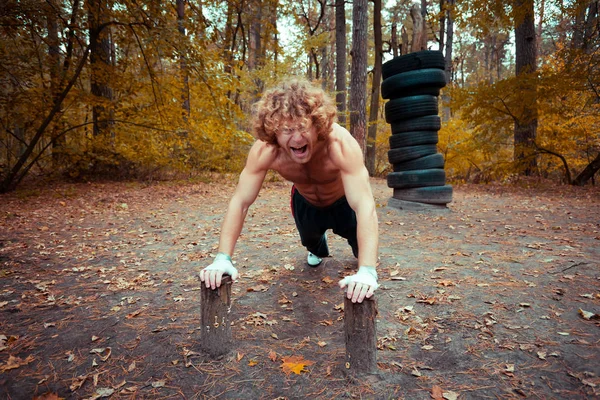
(479, 137)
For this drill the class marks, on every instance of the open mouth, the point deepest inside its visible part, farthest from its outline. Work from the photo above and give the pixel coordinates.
(299, 151)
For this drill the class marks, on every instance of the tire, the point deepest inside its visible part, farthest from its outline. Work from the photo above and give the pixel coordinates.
(427, 195)
(408, 153)
(399, 84)
(410, 62)
(410, 107)
(427, 162)
(431, 91)
(413, 138)
(416, 178)
(426, 123)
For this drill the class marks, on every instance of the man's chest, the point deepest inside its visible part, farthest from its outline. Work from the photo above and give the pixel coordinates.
(321, 173)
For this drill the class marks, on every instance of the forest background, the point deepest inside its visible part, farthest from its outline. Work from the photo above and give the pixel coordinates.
(153, 90)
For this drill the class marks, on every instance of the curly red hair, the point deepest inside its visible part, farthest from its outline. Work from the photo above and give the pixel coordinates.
(292, 102)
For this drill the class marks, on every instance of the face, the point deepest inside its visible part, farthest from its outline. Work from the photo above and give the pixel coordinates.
(298, 140)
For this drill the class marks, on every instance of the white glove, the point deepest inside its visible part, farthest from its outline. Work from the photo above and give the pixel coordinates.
(360, 285)
(212, 274)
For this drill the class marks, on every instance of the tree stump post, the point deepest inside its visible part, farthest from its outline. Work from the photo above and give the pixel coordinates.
(215, 328)
(361, 336)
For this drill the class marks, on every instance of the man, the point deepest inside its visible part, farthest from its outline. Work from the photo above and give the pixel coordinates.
(298, 138)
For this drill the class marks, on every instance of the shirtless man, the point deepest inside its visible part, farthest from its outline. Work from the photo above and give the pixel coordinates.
(298, 138)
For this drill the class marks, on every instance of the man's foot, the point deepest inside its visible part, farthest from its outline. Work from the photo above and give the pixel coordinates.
(313, 260)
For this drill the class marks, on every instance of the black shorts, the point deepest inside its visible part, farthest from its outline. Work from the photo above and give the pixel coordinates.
(312, 222)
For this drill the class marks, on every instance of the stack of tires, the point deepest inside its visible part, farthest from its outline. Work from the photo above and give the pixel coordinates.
(412, 83)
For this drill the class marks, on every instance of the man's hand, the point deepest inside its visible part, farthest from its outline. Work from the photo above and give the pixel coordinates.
(360, 285)
(212, 274)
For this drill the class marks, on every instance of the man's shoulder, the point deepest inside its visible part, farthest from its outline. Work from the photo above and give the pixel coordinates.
(340, 139)
(339, 132)
(263, 155)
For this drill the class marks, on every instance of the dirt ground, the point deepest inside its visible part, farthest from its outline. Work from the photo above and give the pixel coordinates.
(498, 297)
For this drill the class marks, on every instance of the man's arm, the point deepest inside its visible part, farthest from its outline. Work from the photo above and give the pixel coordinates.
(251, 179)
(347, 154)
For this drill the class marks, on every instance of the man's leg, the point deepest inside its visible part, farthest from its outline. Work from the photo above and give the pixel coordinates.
(345, 225)
(310, 227)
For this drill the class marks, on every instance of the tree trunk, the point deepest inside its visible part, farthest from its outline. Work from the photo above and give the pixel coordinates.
(588, 172)
(215, 324)
(405, 47)
(394, 38)
(449, 40)
(360, 332)
(340, 60)
(185, 90)
(443, 13)
(578, 26)
(358, 78)
(540, 27)
(419, 42)
(100, 63)
(375, 89)
(326, 72)
(526, 123)
(448, 57)
(254, 38)
(425, 34)
(58, 141)
(591, 26)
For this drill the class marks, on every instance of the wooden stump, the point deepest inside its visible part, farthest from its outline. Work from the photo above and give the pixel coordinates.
(361, 336)
(215, 328)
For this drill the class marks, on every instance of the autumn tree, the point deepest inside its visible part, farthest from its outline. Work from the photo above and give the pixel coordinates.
(101, 65)
(526, 57)
(358, 72)
(340, 60)
(375, 88)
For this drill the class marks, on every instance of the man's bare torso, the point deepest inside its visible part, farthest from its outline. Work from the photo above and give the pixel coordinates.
(319, 181)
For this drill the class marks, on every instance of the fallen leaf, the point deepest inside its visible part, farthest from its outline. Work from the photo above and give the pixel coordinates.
(327, 280)
(257, 288)
(78, 382)
(588, 315)
(159, 384)
(295, 364)
(48, 396)
(252, 363)
(274, 336)
(322, 343)
(240, 356)
(415, 372)
(15, 362)
(436, 393)
(103, 353)
(101, 393)
(272, 356)
(450, 395)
